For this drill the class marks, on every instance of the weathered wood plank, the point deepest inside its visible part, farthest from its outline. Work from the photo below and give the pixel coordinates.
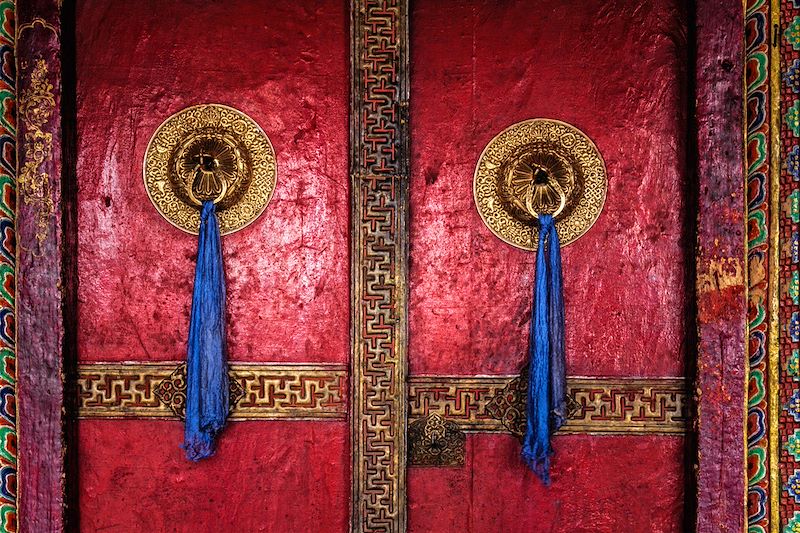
(720, 280)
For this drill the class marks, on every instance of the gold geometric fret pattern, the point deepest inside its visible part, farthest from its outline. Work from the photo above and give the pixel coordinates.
(271, 391)
(598, 405)
(379, 175)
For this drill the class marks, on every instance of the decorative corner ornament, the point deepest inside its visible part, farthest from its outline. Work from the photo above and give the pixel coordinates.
(539, 166)
(508, 405)
(210, 152)
(436, 441)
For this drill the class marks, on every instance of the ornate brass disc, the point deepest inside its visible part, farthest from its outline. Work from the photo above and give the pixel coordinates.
(541, 163)
(207, 152)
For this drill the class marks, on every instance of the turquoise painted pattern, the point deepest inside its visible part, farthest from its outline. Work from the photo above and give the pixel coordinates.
(757, 97)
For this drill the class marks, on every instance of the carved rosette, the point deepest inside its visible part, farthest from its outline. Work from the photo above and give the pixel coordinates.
(172, 391)
(508, 405)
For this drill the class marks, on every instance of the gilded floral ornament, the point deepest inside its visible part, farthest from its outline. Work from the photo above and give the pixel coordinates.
(792, 77)
(793, 163)
(793, 369)
(36, 106)
(793, 526)
(793, 486)
(210, 152)
(539, 166)
(793, 118)
(793, 407)
(793, 445)
(792, 33)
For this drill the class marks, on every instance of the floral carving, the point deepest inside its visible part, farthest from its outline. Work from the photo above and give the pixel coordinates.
(35, 109)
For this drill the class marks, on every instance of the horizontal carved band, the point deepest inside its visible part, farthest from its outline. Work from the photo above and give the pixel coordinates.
(259, 391)
(266, 391)
(597, 405)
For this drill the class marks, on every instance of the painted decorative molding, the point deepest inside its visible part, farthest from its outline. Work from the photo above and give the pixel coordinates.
(761, 181)
(8, 171)
(268, 391)
(597, 405)
(379, 239)
(262, 391)
(784, 341)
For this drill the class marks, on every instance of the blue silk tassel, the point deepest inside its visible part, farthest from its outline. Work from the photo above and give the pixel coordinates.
(547, 387)
(207, 385)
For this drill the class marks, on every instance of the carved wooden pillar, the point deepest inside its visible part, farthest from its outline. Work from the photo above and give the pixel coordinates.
(379, 203)
(42, 283)
(720, 281)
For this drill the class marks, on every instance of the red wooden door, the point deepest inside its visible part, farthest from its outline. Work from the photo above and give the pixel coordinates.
(618, 72)
(286, 65)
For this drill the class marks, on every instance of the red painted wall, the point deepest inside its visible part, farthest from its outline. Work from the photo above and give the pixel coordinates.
(616, 70)
(286, 64)
(621, 484)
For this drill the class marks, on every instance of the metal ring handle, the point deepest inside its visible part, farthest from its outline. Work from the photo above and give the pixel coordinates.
(218, 199)
(561, 206)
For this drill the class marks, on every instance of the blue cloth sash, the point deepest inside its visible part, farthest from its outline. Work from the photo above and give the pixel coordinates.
(207, 385)
(547, 381)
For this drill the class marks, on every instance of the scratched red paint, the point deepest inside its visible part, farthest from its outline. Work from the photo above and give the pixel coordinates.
(616, 70)
(286, 479)
(593, 489)
(285, 64)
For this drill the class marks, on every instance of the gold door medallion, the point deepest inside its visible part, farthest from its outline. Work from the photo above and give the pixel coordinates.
(210, 152)
(539, 166)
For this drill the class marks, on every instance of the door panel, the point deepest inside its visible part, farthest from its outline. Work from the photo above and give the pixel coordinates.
(287, 67)
(617, 71)
(286, 64)
(618, 74)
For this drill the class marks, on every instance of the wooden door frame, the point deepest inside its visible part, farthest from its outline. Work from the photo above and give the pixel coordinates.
(46, 273)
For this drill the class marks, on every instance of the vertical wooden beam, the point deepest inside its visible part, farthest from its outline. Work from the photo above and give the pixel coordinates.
(40, 289)
(379, 215)
(720, 264)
